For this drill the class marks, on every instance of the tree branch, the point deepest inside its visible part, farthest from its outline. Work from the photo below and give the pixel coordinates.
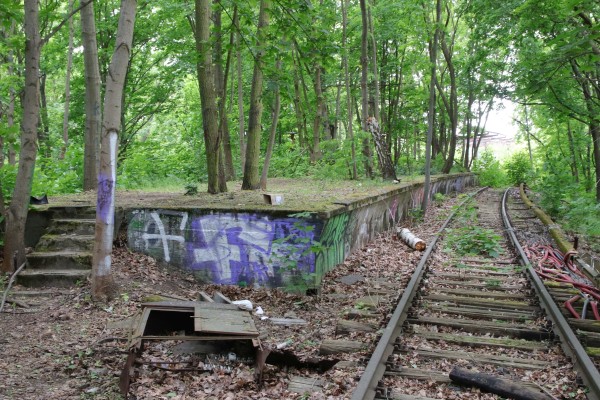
(64, 21)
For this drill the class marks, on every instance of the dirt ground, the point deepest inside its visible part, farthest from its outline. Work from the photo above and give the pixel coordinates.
(58, 344)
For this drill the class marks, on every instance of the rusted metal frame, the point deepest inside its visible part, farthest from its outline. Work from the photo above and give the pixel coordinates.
(376, 367)
(569, 342)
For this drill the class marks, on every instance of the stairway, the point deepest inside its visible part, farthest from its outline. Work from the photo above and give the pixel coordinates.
(63, 255)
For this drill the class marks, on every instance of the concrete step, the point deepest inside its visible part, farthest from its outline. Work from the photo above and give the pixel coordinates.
(54, 277)
(59, 260)
(83, 211)
(50, 242)
(72, 226)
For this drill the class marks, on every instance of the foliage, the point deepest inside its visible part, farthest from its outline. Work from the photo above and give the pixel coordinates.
(518, 169)
(288, 252)
(489, 170)
(473, 240)
(583, 215)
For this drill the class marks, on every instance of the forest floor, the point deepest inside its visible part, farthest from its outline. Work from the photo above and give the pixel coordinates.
(64, 346)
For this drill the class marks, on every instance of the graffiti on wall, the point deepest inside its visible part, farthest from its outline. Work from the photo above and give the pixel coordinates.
(261, 249)
(233, 248)
(225, 248)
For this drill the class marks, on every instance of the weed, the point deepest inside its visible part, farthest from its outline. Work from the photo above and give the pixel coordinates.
(473, 240)
(492, 283)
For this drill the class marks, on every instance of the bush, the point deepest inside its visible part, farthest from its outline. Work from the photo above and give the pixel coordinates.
(518, 169)
(489, 170)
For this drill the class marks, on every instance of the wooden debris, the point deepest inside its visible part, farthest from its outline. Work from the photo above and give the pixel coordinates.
(203, 296)
(219, 297)
(301, 385)
(330, 346)
(287, 321)
(346, 326)
(493, 384)
(410, 239)
(215, 321)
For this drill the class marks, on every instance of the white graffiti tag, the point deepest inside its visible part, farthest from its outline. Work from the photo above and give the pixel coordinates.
(156, 223)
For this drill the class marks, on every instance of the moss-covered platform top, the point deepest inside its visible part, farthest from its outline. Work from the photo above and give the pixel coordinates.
(323, 197)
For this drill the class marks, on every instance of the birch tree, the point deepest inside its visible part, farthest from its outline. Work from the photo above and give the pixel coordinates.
(103, 285)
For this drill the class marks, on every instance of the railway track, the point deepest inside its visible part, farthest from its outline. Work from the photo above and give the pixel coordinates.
(475, 310)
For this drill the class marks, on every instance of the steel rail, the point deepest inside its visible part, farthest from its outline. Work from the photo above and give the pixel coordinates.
(367, 386)
(569, 342)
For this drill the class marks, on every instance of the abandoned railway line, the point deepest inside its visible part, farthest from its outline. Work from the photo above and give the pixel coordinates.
(487, 321)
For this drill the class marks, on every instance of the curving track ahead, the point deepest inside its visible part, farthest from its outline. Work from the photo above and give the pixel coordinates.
(477, 315)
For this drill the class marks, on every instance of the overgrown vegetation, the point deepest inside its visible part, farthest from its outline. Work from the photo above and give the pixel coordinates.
(473, 240)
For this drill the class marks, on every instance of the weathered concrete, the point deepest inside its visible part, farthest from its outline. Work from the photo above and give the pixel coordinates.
(272, 248)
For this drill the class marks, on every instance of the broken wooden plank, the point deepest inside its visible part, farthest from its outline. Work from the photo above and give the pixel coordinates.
(287, 321)
(302, 385)
(203, 296)
(219, 297)
(227, 322)
(332, 346)
(347, 326)
(494, 384)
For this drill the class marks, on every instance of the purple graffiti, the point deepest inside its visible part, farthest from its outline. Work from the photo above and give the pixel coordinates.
(233, 248)
(105, 198)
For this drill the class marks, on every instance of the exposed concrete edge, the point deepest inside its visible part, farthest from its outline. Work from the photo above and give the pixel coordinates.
(368, 200)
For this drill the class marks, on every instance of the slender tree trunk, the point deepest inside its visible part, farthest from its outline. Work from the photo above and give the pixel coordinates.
(44, 128)
(572, 153)
(364, 62)
(206, 80)
(273, 132)
(240, 93)
(315, 153)
(65, 127)
(93, 109)
(354, 173)
(433, 44)
(10, 113)
(251, 179)
(103, 283)
(16, 215)
(221, 88)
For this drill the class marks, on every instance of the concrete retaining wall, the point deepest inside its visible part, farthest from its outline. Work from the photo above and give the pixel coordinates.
(266, 249)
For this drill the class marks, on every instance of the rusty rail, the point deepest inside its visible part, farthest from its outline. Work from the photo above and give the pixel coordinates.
(569, 342)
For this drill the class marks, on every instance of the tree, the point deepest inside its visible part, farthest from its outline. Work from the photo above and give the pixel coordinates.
(432, 46)
(16, 215)
(206, 80)
(251, 180)
(103, 285)
(93, 111)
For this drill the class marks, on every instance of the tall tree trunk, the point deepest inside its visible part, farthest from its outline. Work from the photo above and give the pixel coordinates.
(354, 173)
(93, 109)
(273, 132)
(10, 114)
(433, 44)
(44, 128)
(364, 63)
(572, 153)
(240, 99)
(206, 80)
(16, 215)
(221, 89)
(103, 284)
(65, 126)
(315, 153)
(251, 179)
